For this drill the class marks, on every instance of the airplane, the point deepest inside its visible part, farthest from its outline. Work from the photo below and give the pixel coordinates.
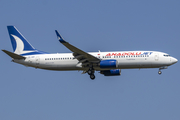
(107, 63)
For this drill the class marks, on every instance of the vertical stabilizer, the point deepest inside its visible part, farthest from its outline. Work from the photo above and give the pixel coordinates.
(19, 43)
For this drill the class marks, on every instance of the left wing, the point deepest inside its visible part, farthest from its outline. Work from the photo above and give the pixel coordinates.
(81, 56)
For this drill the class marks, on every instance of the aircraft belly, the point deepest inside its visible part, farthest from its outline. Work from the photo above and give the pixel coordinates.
(133, 63)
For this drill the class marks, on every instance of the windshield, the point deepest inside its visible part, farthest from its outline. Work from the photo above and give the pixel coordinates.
(166, 55)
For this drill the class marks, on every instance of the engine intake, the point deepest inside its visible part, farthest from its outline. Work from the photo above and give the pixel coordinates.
(114, 72)
(108, 64)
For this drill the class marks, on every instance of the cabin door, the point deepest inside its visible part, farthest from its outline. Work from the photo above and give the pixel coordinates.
(37, 61)
(156, 57)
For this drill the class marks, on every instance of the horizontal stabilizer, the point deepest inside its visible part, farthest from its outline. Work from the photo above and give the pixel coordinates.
(13, 55)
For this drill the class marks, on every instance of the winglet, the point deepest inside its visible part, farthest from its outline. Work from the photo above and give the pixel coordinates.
(59, 37)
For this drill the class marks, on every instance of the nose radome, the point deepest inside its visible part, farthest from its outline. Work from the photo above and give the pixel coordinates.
(174, 60)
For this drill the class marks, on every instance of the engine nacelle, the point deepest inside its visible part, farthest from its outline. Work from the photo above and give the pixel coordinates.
(114, 72)
(108, 64)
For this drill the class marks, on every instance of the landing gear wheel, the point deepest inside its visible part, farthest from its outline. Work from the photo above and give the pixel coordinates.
(89, 72)
(92, 76)
(159, 72)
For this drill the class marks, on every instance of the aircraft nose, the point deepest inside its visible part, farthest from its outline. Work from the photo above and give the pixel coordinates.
(174, 60)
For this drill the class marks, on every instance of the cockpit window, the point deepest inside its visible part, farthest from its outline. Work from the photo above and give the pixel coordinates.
(166, 55)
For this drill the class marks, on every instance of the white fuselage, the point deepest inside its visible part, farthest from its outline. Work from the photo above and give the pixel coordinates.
(125, 60)
(108, 63)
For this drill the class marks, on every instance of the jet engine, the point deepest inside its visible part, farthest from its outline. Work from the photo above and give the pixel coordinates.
(114, 72)
(108, 64)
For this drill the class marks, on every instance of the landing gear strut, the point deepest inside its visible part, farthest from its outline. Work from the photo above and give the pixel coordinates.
(164, 67)
(91, 73)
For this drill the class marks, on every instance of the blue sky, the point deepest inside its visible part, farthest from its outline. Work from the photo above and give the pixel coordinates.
(28, 93)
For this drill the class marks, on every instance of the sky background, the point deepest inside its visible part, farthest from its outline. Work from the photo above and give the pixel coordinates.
(117, 25)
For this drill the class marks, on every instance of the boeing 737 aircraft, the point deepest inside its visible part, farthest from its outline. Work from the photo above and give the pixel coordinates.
(107, 63)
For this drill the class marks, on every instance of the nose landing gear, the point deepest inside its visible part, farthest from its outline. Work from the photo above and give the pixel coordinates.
(159, 72)
(164, 67)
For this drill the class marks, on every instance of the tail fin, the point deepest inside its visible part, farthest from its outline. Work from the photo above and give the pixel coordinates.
(19, 43)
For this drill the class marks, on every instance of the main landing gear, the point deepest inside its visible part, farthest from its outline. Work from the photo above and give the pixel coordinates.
(91, 73)
(92, 76)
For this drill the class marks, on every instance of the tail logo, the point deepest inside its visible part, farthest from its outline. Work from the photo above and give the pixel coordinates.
(19, 46)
